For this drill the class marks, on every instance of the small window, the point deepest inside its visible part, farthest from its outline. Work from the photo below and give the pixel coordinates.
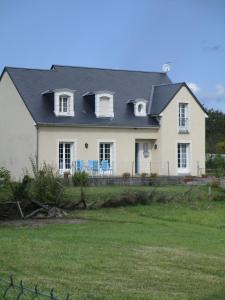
(64, 104)
(140, 108)
(104, 105)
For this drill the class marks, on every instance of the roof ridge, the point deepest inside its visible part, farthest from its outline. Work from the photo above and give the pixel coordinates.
(24, 68)
(109, 69)
(183, 82)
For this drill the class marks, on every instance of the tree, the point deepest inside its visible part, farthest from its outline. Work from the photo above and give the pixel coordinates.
(215, 129)
(220, 147)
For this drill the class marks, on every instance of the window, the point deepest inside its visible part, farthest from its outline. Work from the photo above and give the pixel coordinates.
(104, 105)
(65, 156)
(183, 117)
(140, 108)
(182, 157)
(64, 103)
(105, 152)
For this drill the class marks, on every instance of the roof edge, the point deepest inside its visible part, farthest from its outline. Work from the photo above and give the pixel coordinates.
(182, 84)
(96, 126)
(54, 67)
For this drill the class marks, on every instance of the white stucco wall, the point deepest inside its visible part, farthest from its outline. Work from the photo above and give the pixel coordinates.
(123, 139)
(169, 136)
(17, 130)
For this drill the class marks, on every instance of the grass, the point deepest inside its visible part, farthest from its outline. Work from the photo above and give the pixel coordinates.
(160, 251)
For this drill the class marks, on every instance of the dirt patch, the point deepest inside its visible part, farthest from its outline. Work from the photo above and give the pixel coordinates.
(36, 223)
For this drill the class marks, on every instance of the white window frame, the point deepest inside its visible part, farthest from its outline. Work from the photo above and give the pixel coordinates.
(113, 149)
(143, 112)
(73, 151)
(186, 127)
(98, 96)
(64, 93)
(188, 168)
(62, 101)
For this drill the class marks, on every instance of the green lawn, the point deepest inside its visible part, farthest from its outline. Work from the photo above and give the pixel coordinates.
(157, 251)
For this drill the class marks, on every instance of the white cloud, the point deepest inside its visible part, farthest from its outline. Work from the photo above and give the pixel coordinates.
(194, 87)
(215, 98)
(220, 91)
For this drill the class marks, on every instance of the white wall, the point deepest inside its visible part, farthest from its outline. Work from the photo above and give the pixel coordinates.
(17, 130)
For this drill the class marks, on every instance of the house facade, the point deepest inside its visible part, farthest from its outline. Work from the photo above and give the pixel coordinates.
(103, 121)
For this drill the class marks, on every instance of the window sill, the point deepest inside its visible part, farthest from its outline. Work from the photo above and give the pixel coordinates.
(182, 131)
(104, 116)
(64, 114)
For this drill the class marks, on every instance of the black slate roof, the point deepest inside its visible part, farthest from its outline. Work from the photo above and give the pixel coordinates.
(126, 85)
(162, 95)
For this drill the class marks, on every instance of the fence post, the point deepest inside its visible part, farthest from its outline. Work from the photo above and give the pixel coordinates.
(168, 168)
(150, 167)
(132, 171)
(198, 168)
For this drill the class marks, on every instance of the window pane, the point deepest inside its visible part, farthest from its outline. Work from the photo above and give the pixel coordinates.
(60, 156)
(67, 155)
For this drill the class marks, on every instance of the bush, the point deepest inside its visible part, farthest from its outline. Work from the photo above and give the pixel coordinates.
(215, 183)
(144, 175)
(126, 175)
(218, 164)
(20, 190)
(153, 175)
(5, 175)
(80, 178)
(46, 186)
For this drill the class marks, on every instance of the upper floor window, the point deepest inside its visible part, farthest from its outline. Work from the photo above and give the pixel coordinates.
(104, 104)
(140, 108)
(64, 103)
(183, 117)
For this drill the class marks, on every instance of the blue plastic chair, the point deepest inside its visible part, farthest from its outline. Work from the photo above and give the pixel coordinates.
(79, 165)
(105, 165)
(93, 166)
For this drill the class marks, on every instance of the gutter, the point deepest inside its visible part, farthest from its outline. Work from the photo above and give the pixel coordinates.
(37, 145)
(96, 126)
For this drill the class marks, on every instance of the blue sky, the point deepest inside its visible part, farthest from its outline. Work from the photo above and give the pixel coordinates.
(125, 34)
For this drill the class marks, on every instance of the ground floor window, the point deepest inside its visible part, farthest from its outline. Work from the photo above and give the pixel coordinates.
(182, 156)
(65, 155)
(105, 152)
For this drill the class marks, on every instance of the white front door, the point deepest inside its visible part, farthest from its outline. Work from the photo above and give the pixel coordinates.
(183, 158)
(142, 157)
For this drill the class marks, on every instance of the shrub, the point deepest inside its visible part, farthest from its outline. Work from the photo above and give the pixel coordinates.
(46, 186)
(215, 183)
(80, 178)
(126, 175)
(153, 175)
(144, 175)
(5, 175)
(20, 190)
(218, 164)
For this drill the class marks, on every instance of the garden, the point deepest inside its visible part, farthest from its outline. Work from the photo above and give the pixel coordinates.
(115, 242)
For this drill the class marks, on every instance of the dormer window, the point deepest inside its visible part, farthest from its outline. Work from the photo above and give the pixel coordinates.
(104, 104)
(64, 102)
(140, 108)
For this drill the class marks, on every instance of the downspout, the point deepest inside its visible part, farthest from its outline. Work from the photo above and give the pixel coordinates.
(37, 146)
